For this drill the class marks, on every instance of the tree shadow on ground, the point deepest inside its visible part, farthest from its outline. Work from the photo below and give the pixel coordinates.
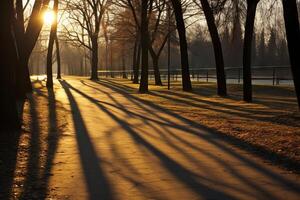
(8, 157)
(218, 107)
(36, 148)
(97, 184)
(272, 111)
(182, 174)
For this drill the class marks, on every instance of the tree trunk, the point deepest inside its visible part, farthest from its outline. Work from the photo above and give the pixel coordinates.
(52, 37)
(23, 83)
(138, 63)
(28, 41)
(135, 79)
(9, 119)
(111, 59)
(293, 38)
(156, 70)
(23, 80)
(58, 58)
(123, 62)
(249, 27)
(49, 82)
(186, 81)
(94, 75)
(106, 57)
(145, 46)
(221, 77)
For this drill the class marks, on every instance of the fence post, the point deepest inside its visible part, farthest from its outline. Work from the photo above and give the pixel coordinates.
(207, 76)
(239, 74)
(274, 75)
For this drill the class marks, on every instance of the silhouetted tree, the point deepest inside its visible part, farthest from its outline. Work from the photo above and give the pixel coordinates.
(8, 62)
(135, 8)
(26, 40)
(58, 60)
(186, 81)
(155, 35)
(53, 34)
(249, 29)
(293, 37)
(136, 60)
(87, 15)
(219, 60)
(145, 46)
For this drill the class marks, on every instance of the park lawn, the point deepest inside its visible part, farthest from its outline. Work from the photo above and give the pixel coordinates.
(270, 125)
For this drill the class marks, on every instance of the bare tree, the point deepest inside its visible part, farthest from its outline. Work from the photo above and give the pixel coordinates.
(86, 16)
(186, 81)
(52, 37)
(8, 62)
(291, 19)
(159, 34)
(210, 20)
(27, 33)
(249, 28)
(58, 60)
(135, 8)
(144, 45)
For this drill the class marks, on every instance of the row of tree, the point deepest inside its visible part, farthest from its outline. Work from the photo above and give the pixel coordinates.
(148, 24)
(210, 10)
(17, 39)
(266, 52)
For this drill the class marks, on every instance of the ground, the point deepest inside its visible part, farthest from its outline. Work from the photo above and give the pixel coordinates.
(103, 140)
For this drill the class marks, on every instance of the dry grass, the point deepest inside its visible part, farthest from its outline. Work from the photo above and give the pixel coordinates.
(271, 122)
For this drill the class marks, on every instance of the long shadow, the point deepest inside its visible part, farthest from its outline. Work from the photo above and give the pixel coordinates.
(215, 106)
(217, 141)
(260, 92)
(211, 140)
(228, 166)
(32, 180)
(8, 159)
(182, 174)
(97, 183)
(275, 158)
(39, 167)
(33, 163)
(242, 111)
(52, 142)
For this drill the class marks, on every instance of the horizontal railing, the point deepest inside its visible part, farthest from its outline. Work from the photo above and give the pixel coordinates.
(274, 75)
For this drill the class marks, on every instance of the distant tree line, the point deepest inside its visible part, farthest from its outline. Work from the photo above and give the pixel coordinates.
(266, 52)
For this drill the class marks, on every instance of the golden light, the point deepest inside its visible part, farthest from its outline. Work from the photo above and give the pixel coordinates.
(49, 17)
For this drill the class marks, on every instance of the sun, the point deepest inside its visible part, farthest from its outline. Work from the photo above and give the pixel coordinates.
(49, 17)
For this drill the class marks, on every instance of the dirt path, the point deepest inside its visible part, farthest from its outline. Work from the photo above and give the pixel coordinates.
(121, 147)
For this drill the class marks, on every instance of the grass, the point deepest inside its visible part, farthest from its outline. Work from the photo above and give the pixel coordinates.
(271, 123)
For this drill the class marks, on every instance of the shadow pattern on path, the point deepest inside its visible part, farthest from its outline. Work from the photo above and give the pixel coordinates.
(91, 161)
